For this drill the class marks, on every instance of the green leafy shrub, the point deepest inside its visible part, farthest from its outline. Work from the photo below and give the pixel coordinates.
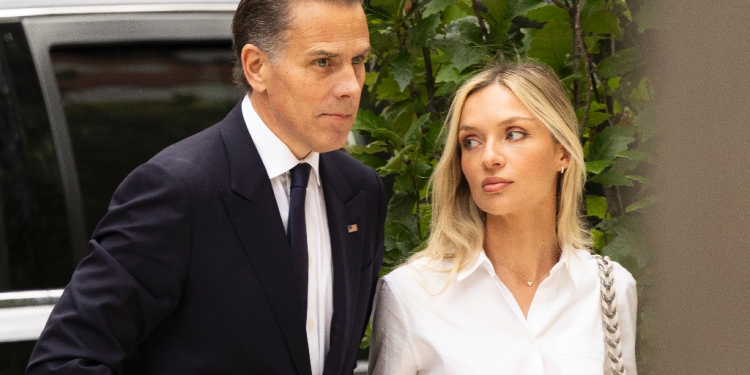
(424, 50)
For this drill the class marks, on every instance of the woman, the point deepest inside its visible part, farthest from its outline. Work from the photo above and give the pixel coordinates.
(507, 283)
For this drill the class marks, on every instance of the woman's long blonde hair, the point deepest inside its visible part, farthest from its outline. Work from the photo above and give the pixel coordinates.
(457, 227)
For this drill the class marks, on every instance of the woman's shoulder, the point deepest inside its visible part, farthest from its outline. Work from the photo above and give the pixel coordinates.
(623, 279)
(422, 276)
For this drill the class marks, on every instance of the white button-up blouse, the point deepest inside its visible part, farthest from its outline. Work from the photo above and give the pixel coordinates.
(475, 326)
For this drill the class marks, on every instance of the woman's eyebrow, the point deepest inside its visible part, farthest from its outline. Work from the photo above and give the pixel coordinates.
(504, 122)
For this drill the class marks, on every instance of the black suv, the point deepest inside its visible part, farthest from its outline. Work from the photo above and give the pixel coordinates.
(89, 89)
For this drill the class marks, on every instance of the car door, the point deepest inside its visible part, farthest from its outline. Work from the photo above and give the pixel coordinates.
(86, 95)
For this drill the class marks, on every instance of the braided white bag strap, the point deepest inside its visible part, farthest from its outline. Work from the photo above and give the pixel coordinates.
(609, 315)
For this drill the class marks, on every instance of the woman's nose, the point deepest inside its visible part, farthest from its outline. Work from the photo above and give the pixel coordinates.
(492, 157)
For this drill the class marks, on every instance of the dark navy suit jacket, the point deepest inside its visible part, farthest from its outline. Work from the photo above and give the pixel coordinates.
(190, 271)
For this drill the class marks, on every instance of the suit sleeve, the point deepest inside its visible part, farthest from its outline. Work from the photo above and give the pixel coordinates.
(377, 259)
(127, 285)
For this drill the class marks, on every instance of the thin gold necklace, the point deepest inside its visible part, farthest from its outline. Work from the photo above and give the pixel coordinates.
(530, 283)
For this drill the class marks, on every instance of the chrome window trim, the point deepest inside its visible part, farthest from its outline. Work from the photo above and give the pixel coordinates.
(43, 33)
(30, 298)
(23, 315)
(104, 9)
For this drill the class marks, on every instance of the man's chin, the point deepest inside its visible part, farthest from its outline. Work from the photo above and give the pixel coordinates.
(334, 142)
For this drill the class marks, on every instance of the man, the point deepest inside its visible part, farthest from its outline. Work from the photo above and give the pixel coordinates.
(252, 247)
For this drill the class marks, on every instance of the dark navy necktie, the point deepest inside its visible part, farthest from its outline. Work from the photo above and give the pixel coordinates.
(296, 228)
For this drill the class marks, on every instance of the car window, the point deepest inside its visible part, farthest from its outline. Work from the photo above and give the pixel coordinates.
(35, 240)
(125, 103)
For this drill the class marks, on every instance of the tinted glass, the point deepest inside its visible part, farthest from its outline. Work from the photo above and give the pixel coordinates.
(34, 235)
(125, 103)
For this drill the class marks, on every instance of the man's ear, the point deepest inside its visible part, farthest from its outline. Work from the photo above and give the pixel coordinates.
(253, 63)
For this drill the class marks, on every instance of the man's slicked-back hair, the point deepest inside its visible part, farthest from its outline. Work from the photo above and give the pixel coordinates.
(263, 23)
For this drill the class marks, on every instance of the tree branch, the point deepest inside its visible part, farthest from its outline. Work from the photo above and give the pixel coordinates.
(575, 14)
(561, 5)
(475, 4)
(429, 84)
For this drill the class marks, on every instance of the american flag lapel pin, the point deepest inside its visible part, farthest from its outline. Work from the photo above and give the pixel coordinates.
(351, 228)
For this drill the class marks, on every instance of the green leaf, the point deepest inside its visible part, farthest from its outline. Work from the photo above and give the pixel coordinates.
(396, 162)
(647, 17)
(368, 121)
(552, 44)
(369, 160)
(390, 90)
(403, 69)
(622, 62)
(520, 7)
(400, 116)
(598, 239)
(447, 89)
(448, 74)
(610, 141)
(644, 122)
(597, 166)
(595, 106)
(549, 13)
(596, 118)
(453, 12)
(376, 126)
(645, 202)
(635, 155)
(467, 29)
(463, 56)
(603, 22)
(372, 148)
(435, 7)
(371, 78)
(424, 30)
(496, 10)
(404, 182)
(596, 206)
(415, 131)
(612, 178)
(528, 37)
(390, 5)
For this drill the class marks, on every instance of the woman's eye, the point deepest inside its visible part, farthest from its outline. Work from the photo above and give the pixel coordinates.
(515, 135)
(468, 143)
(321, 63)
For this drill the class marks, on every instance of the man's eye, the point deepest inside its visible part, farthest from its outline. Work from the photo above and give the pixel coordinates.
(516, 135)
(358, 60)
(468, 143)
(321, 63)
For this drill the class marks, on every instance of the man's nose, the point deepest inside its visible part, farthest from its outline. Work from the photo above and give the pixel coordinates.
(349, 84)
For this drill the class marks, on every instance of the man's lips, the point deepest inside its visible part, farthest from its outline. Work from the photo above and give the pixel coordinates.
(495, 184)
(338, 115)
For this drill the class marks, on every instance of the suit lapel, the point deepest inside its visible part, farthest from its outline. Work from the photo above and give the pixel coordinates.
(344, 208)
(252, 208)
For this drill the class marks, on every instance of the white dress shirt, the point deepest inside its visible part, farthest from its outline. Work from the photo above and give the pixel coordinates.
(476, 326)
(278, 160)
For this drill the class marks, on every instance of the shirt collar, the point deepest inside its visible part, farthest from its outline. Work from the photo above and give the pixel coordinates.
(571, 260)
(481, 260)
(275, 154)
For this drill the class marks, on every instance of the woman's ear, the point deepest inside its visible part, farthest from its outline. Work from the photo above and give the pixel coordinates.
(563, 155)
(253, 63)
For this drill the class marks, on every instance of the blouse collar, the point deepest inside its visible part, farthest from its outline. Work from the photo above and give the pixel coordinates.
(572, 262)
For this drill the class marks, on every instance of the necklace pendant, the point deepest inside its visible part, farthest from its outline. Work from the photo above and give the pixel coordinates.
(531, 283)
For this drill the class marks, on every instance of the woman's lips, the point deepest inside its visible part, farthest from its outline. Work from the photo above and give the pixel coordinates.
(495, 184)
